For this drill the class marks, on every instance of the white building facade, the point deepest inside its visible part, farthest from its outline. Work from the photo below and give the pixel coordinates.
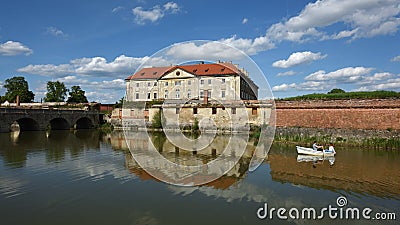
(215, 81)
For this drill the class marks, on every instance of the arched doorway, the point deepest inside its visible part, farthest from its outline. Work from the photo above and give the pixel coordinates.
(59, 124)
(84, 123)
(26, 124)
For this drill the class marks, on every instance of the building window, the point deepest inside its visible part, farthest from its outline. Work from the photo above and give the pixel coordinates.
(137, 84)
(166, 94)
(148, 95)
(166, 83)
(189, 82)
(155, 95)
(189, 93)
(233, 110)
(214, 110)
(177, 93)
(178, 83)
(194, 110)
(201, 94)
(155, 84)
(223, 94)
(209, 93)
(177, 110)
(209, 81)
(148, 84)
(201, 81)
(254, 111)
(137, 95)
(223, 80)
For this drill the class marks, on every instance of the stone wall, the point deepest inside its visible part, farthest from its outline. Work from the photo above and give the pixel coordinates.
(380, 114)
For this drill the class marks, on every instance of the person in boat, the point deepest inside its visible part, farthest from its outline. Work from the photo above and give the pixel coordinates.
(331, 148)
(317, 147)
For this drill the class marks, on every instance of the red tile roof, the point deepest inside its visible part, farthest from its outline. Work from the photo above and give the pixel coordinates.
(210, 69)
(150, 73)
(196, 69)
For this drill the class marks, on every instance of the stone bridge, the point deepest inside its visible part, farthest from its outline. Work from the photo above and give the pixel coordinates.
(42, 119)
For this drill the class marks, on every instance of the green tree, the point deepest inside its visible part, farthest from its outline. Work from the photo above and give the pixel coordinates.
(77, 95)
(157, 119)
(56, 92)
(18, 86)
(120, 103)
(336, 91)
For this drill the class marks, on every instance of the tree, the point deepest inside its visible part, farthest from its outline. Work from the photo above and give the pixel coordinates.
(336, 91)
(77, 95)
(18, 86)
(156, 122)
(120, 103)
(56, 92)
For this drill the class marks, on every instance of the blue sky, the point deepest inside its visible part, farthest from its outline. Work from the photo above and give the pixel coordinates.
(301, 46)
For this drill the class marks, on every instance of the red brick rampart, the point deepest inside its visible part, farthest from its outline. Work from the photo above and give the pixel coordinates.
(379, 114)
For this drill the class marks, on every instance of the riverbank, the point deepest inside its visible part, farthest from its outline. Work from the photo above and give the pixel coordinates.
(382, 139)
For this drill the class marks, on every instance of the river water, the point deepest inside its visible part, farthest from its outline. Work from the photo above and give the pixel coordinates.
(84, 177)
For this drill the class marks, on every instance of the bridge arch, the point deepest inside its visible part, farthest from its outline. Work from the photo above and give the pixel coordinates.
(59, 124)
(84, 123)
(27, 124)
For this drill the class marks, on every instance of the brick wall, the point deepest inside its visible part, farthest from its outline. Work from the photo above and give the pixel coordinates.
(347, 114)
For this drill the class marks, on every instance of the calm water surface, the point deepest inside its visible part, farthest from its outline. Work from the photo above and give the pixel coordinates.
(87, 178)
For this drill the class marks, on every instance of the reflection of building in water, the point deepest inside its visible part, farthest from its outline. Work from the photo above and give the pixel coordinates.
(215, 150)
(346, 174)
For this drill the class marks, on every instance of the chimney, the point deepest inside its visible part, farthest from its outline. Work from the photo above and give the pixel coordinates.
(205, 97)
(17, 100)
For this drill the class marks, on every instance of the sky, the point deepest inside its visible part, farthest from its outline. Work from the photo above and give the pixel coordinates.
(301, 46)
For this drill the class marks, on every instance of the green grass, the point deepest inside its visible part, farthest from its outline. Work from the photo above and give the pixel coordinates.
(348, 95)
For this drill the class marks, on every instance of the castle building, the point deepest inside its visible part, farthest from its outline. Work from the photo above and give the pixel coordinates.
(214, 81)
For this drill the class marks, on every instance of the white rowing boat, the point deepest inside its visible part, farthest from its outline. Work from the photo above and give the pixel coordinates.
(310, 151)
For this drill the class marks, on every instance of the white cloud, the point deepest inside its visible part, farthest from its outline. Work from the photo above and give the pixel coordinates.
(379, 84)
(117, 9)
(56, 32)
(396, 59)
(348, 75)
(284, 87)
(358, 76)
(11, 48)
(287, 73)
(245, 20)
(171, 7)
(154, 14)
(298, 58)
(367, 18)
(304, 86)
(209, 50)
(249, 46)
(97, 66)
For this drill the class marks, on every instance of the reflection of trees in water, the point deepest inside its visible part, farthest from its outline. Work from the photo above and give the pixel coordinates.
(15, 148)
(158, 139)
